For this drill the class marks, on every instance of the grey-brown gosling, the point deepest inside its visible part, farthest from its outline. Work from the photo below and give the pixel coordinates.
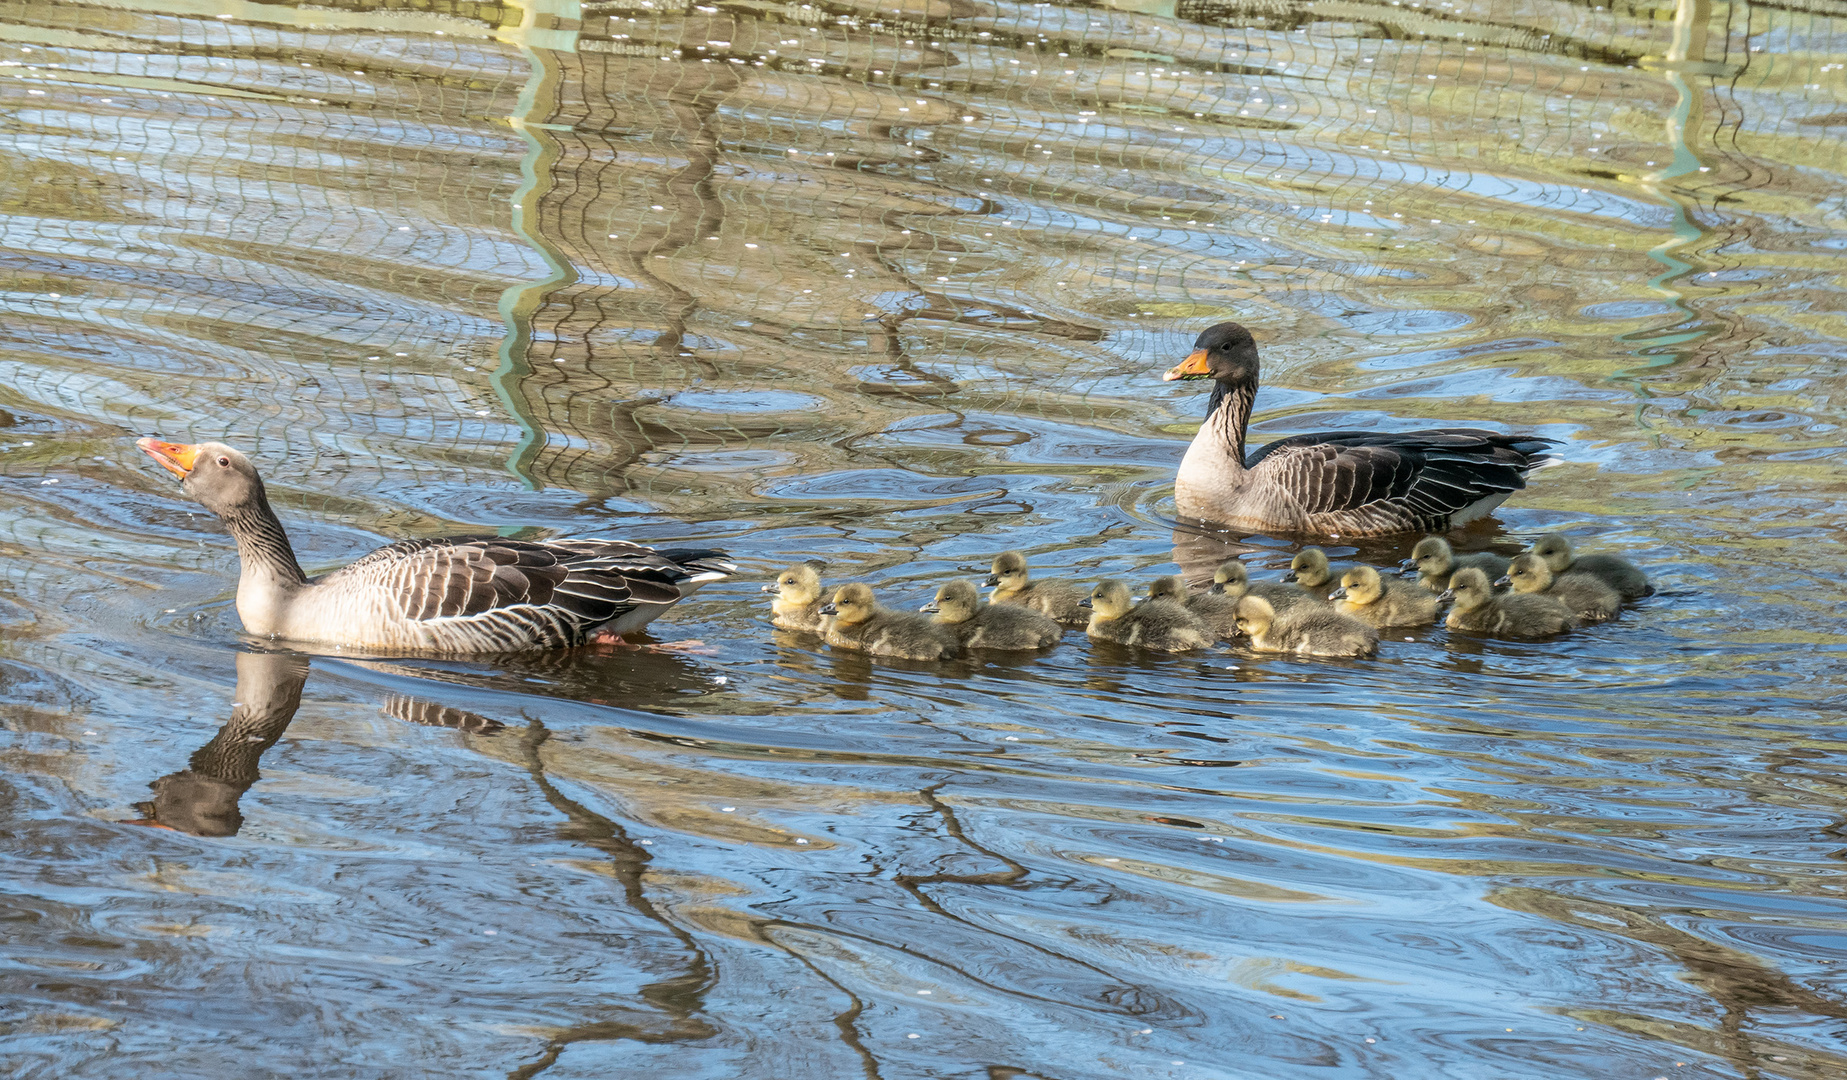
(1310, 570)
(1375, 601)
(1233, 580)
(1614, 570)
(993, 626)
(1435, 563)
(1218, 611)
(1161, 625)
(1481, 609)
(1060, 601)
(860, 623)
(1308, 630)
(1588, 597)
(798, 599)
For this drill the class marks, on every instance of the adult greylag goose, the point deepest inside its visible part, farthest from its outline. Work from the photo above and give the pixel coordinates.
(1334, 483)
(1589, 598)
(460, 595)
(1614, 570)
(1056, 600)
(1308, 630)
(861, 624)
(1373, 600)
(1161, 625)
(1481, 609)
(996, 626)
(1435, 562)
(798, 599)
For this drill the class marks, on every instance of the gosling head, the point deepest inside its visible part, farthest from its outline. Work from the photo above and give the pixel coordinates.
(799, 584)
(1225, 353)
(1009, 570)
(1231, 579)
(1360, 585)
(1431, 557)
(955, 602)
(1167, 588)
(1555, 549)
(852, 604)
(1254, 616)
(1309, 567)
(1469, 589)
(1109, 600)
(1527, 573)
(222, 479)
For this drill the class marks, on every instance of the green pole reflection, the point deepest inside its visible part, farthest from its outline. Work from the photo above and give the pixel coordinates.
(1685, 56)
(540, 34)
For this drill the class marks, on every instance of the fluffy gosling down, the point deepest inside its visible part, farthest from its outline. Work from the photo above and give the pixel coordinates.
(861, 624)
(1613, 570)
(1059, 601)
(1161, 625)
(1232, 580)
(1588, 598)
(798, 599)
(1218, 611)
(1435, 563)
(1310, 570)
(1480, 609)
(1373, 600)
(1308, 630)
(996, 626)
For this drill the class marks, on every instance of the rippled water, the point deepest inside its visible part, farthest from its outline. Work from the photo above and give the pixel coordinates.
(892, 286)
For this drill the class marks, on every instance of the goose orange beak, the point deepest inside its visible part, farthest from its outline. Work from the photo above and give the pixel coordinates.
(176, 458)
(1193, 367)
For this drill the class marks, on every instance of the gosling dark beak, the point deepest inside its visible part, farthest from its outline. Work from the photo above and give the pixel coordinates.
(772, 587)
(1448, 595)
(1290, 576)
(829, 609)
(992, 579)
(929, 608)
(1338, 594)
(1217, 587)
(1193, 367)
(1085, 602)
(176, 458)
(1407, 567)
(1504, 581)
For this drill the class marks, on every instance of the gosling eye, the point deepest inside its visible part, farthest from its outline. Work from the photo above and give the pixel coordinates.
(224, 462)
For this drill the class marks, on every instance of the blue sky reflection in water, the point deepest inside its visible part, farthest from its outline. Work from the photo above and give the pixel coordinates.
(892, 286)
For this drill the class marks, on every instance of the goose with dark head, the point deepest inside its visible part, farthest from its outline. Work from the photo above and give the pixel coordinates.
(1333, 483)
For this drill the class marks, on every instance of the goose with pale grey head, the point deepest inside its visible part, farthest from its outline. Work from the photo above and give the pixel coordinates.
(459, 595)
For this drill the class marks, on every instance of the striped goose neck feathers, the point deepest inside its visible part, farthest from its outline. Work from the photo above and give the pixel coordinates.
(262, 543)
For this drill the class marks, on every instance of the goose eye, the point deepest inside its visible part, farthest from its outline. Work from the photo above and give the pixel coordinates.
(224, 462)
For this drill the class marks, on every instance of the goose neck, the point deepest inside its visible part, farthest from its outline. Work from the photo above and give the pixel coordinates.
(262, 547)
(1228, 416)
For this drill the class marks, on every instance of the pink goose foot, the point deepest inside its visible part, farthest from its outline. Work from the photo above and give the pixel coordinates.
(611, 639)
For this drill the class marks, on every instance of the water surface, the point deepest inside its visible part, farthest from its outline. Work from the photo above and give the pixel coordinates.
(891, 286)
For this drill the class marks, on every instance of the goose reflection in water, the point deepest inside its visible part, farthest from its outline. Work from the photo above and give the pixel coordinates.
(202, 799)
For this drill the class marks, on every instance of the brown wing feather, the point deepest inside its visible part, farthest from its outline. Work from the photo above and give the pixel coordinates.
(515, 588)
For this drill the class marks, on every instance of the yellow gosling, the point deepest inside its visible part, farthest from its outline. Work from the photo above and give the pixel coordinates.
(996, 626)
(1375, 601)
(1308, 630)
(861, 624)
